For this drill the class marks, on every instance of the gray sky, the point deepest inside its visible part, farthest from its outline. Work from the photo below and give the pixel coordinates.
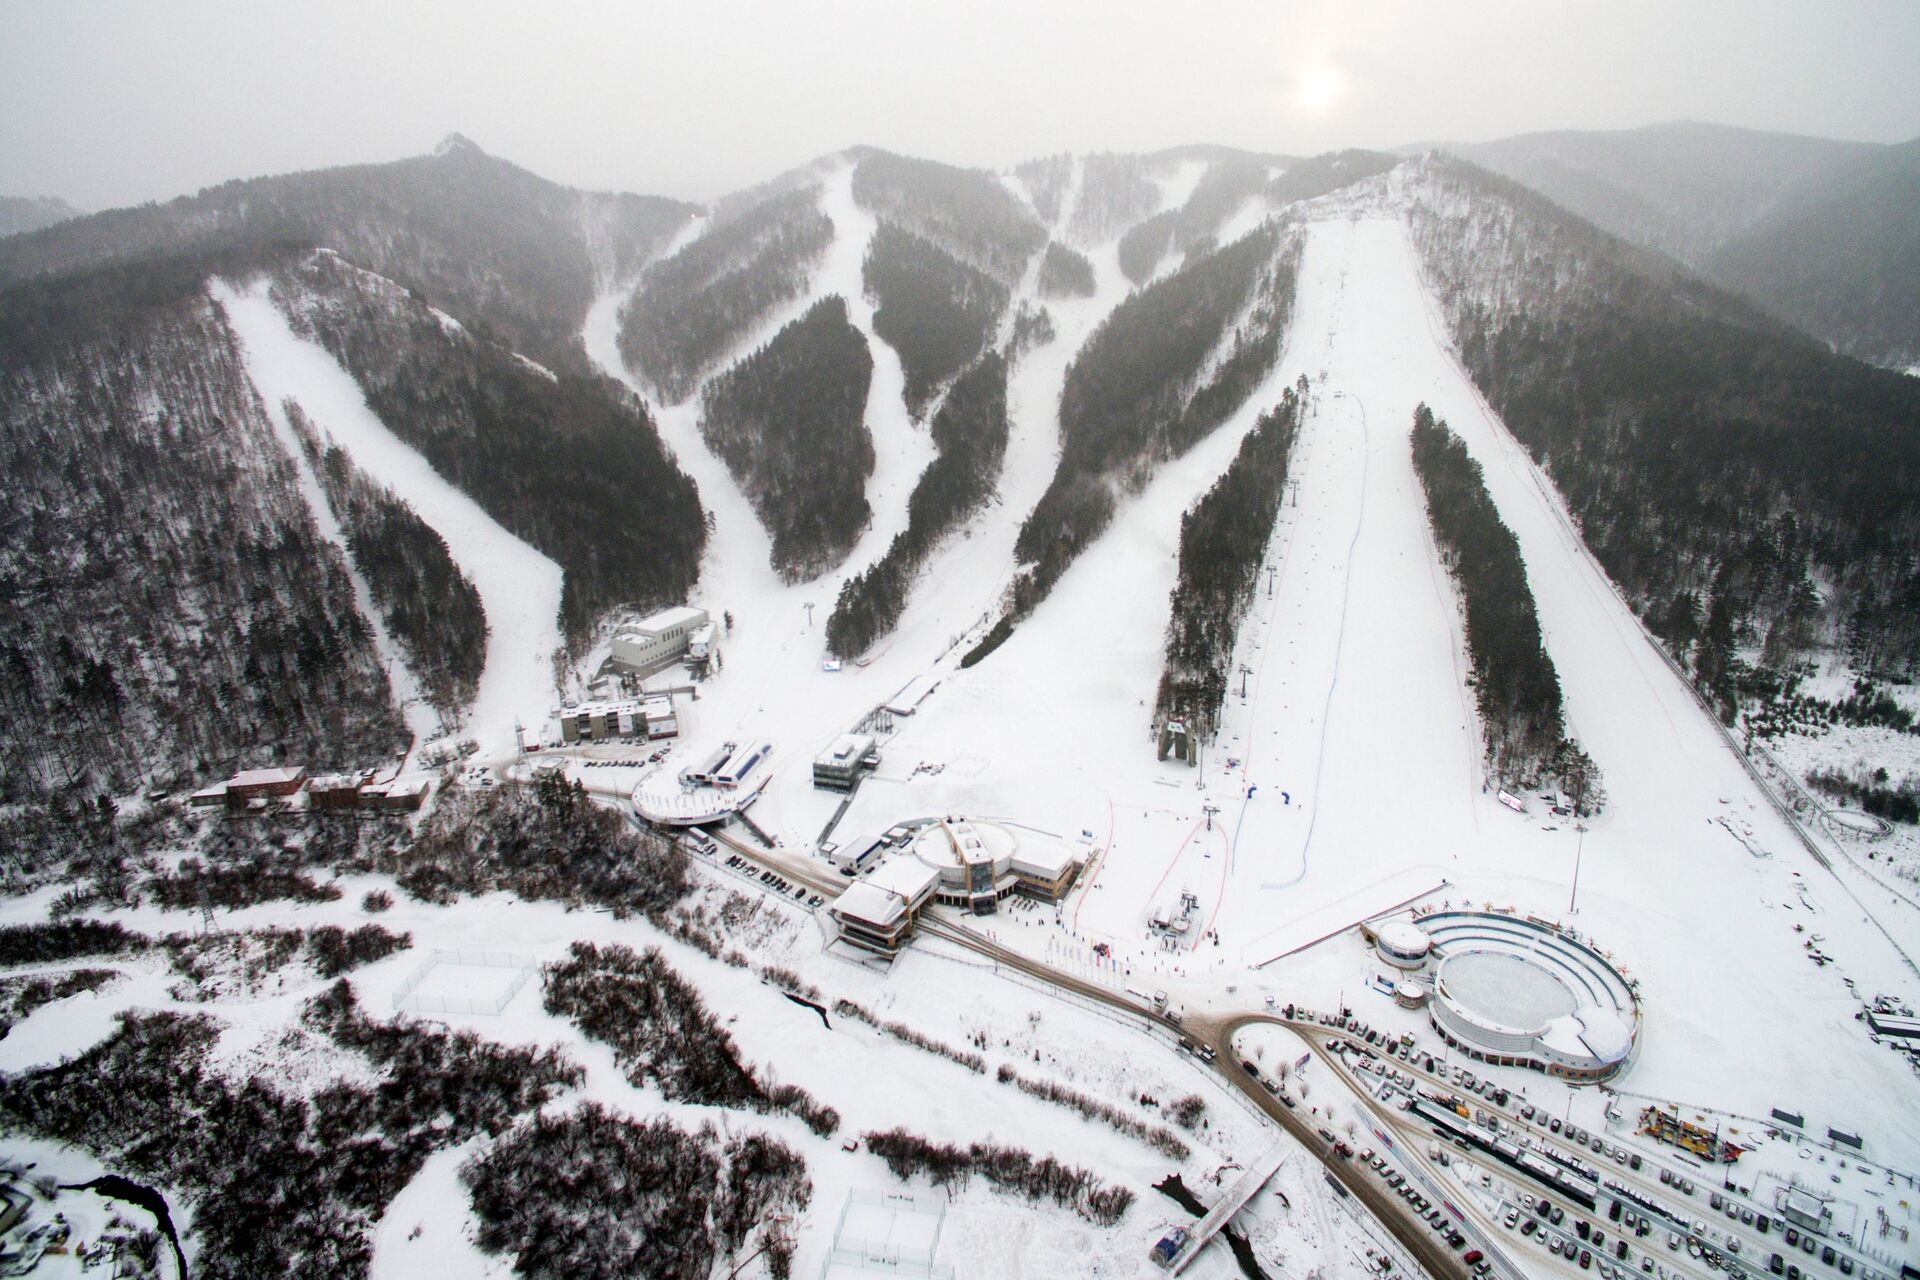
(113, 103)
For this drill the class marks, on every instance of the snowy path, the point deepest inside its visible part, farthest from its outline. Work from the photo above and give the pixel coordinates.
(519, 587)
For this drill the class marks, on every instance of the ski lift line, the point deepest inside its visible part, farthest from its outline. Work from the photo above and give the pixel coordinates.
(1172, 863)
(1307, 414)
(1340, 638)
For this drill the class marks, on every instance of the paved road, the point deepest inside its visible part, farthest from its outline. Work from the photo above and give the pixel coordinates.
(1216, 1032)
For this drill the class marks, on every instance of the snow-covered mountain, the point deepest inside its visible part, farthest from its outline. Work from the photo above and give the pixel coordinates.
(1121, 495)
(1816, 231)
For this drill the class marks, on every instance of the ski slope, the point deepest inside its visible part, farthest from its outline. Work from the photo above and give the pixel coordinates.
(1358, 736)
(519, 587)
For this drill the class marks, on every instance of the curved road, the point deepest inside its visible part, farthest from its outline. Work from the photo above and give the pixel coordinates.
(1214, 1031)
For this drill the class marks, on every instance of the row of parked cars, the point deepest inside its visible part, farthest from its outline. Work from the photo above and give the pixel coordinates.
(1436, 1221)
(774, 881)
(1585, 1243)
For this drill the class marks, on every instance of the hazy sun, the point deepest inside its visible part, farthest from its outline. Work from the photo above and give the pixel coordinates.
(1317, 88)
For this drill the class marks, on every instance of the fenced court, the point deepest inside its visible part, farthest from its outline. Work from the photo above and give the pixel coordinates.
(886, 1233)
(463, 981)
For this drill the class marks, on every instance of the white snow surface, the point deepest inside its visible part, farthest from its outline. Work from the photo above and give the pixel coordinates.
(519, 587)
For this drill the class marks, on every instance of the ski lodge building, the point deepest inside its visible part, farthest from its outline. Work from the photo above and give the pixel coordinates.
(649, 717)
(878, 913)
(657, 642)
(958, 862)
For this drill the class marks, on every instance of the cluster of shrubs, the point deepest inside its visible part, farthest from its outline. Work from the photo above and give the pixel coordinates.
(1189, 1112)
(660, 1031)
(1159, 1137)
(589, 1194)
(66, 939)
(234, 885)
(908, 1155)
(280, 1185)
(907, 1035)
(545, 841)
(1873, 792)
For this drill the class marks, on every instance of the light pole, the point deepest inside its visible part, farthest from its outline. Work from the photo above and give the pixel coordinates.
(1579, 846)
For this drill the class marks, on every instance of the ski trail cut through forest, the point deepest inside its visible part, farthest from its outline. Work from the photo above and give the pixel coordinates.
(519, 587)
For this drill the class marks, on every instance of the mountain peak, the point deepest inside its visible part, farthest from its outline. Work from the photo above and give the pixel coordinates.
(458, 144)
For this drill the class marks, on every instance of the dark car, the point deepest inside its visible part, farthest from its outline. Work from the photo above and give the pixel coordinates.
(1586, 1260)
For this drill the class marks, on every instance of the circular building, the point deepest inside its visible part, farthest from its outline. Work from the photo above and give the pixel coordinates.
(1520, 992)
(1411, 993)
(1402, 944)
(981, 862)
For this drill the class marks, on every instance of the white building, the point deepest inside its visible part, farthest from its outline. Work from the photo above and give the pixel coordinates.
(838, 767)
(878, 913)
(1402, 944)
(657, 642)
(649, 717)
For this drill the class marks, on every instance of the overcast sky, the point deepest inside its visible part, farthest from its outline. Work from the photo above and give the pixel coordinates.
(113, 103)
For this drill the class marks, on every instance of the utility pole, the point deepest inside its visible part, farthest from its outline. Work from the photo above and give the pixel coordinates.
(1209, 810)
(809, 608)
(1245, 670)
(1271, 570)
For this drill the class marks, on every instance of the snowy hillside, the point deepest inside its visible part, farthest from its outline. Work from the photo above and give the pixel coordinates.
(526, 1031)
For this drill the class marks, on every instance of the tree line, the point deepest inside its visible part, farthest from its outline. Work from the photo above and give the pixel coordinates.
(790, 423)
(1753, 495)
(967, 212)
(1064, 273)
(970, 432)
(1167, 367)
(1514, 681)
(499, 247)
(1222, 541)
(431, 609)
(695, 308)
(214, 631)
(936, 311)
(908, 1155)
(569, 463)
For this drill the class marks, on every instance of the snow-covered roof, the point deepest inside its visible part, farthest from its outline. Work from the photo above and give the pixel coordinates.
(266, 777)
(911, 878)
(1589, 1032)
(1042, 859)
(868, 903)
(666, 619)
(846, 749)
(1403, 936)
